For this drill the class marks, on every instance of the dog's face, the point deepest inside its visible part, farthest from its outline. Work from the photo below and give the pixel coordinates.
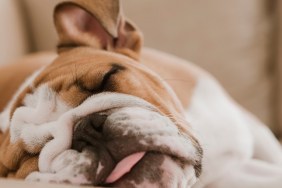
(99, 116)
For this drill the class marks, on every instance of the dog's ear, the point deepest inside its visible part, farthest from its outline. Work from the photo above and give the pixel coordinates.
(98, 24)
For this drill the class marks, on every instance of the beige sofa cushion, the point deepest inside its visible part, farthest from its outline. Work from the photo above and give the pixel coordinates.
(40, 19)
(13, 39)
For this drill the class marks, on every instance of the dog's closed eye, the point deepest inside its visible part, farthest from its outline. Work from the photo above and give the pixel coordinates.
(105, 84)
(115, 69)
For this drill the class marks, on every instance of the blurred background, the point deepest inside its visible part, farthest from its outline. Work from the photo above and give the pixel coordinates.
(237, 41)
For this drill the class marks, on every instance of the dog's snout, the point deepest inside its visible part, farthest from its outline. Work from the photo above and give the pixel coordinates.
(88, 131)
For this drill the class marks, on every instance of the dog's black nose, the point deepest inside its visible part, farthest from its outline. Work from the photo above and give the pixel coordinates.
(96, 121)
(88, 131)
(93, 121)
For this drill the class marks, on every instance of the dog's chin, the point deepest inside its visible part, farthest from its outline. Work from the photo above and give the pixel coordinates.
(143, 169)
(148, 172)
(157, 170)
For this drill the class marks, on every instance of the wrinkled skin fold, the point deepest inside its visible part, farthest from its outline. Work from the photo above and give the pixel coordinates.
(104, 140)
(100, 137)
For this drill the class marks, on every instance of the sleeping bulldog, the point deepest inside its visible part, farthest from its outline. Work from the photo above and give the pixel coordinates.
(106, 111)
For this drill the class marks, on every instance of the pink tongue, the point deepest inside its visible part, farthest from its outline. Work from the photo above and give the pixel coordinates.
(124, 166)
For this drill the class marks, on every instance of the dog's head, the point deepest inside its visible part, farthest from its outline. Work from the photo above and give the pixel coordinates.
(98, 116)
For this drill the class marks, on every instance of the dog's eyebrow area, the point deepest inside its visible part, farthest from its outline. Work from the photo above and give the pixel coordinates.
(118, 66)
(115, 69)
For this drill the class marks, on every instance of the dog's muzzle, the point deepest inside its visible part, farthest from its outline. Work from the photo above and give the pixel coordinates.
(130, 142)
(110, 139)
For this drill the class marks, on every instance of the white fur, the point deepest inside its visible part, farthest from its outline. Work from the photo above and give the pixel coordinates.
(178, 177)
(231, 138)
(153, 125)
(100, 168)
(145, 183)
(5, 115)
(41, 107)
(62, 172)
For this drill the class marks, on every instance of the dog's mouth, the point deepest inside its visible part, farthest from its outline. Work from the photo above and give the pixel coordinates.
(89, 136)
(110, 139)
(124, 166)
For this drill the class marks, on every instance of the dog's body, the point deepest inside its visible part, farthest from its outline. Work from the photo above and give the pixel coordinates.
(238, 151)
